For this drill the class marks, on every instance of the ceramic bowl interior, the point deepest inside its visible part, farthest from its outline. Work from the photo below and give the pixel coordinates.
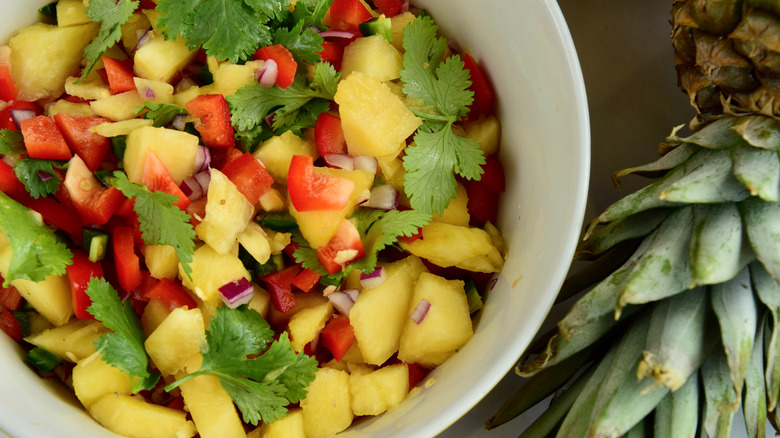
(528, 53)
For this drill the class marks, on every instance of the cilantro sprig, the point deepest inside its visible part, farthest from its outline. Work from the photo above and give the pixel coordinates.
(37, 251)
(123, 347)
(438, 153)
(111, 14)
(261, 380)
(160, 113)
(11, 142)
(38, 176)
(161, 222)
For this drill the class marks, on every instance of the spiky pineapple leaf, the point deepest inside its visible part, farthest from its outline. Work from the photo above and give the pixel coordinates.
(758, 131)
(763, 231)
(677, 415)
(720, 400)
(668, 161)
(718, 251)
(758, 170)
(768, 291)
(709, 178)
(754, 402)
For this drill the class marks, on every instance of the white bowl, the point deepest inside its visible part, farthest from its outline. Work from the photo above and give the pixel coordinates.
(528, 53)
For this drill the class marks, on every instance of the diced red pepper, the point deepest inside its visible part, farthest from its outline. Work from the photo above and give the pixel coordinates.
(8, 90)
(328, 135)
(482, 204)
(337, 336)
(119, 75)
(279, 286)
(10, 325)
(79, 274)
(172, 294)
(285, 63)
(249, 176)
(148, 4)
(196, 210)
(10, 184)
(214, 127)
(413, 237)
(416, 374)
(155, 177)
(91, 147)
(94, 203)
(221, 157)
(310, 190)
(7, 122)
(390, 8)
(128, 264)
(344, 247)
(43, 139)
(348, 14)
(333, 53)
(484, 95)
(10, 298)
(306, 280)
(493, 174)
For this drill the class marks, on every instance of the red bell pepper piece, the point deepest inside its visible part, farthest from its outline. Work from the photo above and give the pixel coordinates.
(279, 286)
(157, 179)
(310, 190)
(8, 89)
(128, 264)
(172, 294)
(10, 184)
(328, 135)
(10, 298)
(249, 176)
(91, 147)
(43, 139)
(7, 122)
(10, 325)
(348, 14)
(333, 53)
(416, 374)
(306, 280)
(482, 204)
(221, 157)
(119, 75)
(94, 203)
(79, 273)
(214, 127)
(390, 8)
(413, 237)
(493, 174)
(337, 336)
(344, 247)
(484, 95)
(285, 63)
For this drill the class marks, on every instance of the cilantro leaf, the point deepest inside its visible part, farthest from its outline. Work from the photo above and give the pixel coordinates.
(161, 222)
(311, 12)
(264, 385)
(37, 252)
(11, 142)
(123, 347)
(303, 43)
(111, 14)
(32, 171)
(438, 153)
(227, 29)
(161, 113)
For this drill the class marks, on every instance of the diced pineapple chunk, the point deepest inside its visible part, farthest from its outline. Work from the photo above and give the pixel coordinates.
(71, 13)
(74, 108)
(305, 325)
(161, 260)
(206, 280)
(90, 88)
(175, 344)
(486, 130)
(120, 106)
(156, 91)
(227, 214)
(130, 416)
(229, 77)
(276, 153)
(72, 341)
(176, 149)
(304, 300)
(161, 59)
(374, 56)
(211, 407)
(261, 301)
(93, 378)
(256, 242)
(327, 408)
(377, 391)
(122, 127)
(154, 314)
(379, 314)
(43, 56)
(451, 245)
(445, 328)
(133, 29)
(397, 25)
(291, 426)
(457, 212)
(375, 120)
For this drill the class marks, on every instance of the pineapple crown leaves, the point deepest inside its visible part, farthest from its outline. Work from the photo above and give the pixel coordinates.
(111, 14)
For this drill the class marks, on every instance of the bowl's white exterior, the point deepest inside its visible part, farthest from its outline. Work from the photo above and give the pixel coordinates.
(525, 47)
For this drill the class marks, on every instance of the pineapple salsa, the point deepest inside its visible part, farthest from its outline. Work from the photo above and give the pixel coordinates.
(263, 218)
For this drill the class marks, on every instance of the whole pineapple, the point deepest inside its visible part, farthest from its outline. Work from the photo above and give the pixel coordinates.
(680, 324)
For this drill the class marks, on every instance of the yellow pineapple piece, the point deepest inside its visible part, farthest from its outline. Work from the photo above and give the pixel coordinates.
(211, 408)
(327, 408)
(122, 127)
(156, 91)
(452, 245)
(50, 297)
(206, 280)
(133, 29)
(305, 325)
(291, 426)
(154, 314)
(261, 301)
(228, 77)
(304, 300)
(181, 97)
(93, 378)
(71, 13)
(444, 329)
(176, 149)
(276, 153)
(375, 120)
(175, 344)
(457, 212)
(90, 88)
(161, 59)
(374, 56)
(43, 56)
(256, 242)
(74, 108)
(486, 130)
(72, 341)
(161, 260)
(379, 314)
(120, 106)
(130, 416)
(377, 391)
(397, 25)
(393, 172)
(227, 214)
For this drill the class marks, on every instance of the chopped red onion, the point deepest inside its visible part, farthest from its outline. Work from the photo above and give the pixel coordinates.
(44, 176)
(202, 159)
(237, 292)
(374, 279)
(149, 94)
(204, 179)
(19, 115)
(341, 301)
(338, 34)
(340, 161)
(266, 76)
(179, 123)
(314, 342)
(366, 163)
(142, 40)
(384, 197)
(420, 311)
(196, 186)
(353, 293)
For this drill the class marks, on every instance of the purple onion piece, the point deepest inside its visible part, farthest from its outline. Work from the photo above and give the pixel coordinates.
(149, 94)
(337, 34)
(204, 179)
(420, 311)
(341, 301)
(44, 176)
(142, 40)
(340, 161)
(237, 292)
(191, 188)
(202, 159)
(384, 197)
(374, 279)
(366, 163)
(266, 76)
(353, 293)
(20, 115)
